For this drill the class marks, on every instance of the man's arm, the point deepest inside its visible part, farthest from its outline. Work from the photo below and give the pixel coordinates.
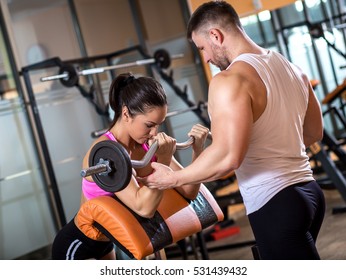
(313, 122)
(231, 114)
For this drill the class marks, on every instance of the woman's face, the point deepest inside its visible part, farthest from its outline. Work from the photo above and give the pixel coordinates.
(144, 126)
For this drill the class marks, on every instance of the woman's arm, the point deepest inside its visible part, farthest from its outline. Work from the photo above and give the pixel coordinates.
(200, 134)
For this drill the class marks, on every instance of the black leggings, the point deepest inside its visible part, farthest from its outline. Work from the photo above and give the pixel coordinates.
(286, 228)
(71, 244)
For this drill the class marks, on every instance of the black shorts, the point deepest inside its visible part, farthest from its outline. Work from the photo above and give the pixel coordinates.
(71, 244)
(288, 225)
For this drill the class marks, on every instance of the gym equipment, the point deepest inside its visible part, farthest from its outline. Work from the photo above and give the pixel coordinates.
(200, 106)
(69, 76)
(334, 169)
(175, 219)
(111, 166)
(337, 92)
(93, 94)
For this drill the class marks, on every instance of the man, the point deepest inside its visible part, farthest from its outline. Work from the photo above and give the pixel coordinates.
(263, 115)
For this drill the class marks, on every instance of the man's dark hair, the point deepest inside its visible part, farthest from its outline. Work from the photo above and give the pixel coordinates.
(219, 12)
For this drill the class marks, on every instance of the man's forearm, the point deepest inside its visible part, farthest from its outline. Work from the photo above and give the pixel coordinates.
(208, 166)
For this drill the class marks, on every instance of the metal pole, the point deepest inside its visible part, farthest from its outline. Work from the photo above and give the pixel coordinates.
(77, 28)
(136, 16)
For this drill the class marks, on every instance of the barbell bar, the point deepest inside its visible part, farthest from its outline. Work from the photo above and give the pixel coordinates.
(69, 76)
(111, 167)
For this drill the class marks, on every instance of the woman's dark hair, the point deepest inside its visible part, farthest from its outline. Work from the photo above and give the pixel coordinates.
(211, 13)
(137, 94)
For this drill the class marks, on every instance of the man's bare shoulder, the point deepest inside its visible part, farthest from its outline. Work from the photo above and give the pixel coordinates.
(235, 76)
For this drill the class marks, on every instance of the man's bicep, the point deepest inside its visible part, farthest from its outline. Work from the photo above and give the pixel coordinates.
(232, 121)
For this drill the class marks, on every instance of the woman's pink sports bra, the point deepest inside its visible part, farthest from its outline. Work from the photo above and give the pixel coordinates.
(91, 189)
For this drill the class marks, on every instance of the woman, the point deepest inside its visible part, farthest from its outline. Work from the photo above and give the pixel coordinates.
(139, 106)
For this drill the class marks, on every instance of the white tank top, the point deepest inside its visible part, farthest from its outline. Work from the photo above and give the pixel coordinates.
(276, 157)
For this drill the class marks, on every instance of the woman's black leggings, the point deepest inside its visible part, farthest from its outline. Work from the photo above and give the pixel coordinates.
(286, 228)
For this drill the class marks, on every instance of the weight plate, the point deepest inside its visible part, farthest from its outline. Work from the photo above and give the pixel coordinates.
(72, 78)
(119, 161)
(162, 58)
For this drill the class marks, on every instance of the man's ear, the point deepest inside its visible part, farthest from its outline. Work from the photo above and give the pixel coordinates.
(216, 36)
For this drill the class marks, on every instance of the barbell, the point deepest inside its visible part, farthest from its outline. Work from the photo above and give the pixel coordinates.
(111, 167)
(69, 75)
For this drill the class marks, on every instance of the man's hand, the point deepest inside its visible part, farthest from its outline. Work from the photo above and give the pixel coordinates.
(162, 177)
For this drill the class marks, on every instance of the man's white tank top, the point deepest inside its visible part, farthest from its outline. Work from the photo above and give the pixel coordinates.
(276, 157)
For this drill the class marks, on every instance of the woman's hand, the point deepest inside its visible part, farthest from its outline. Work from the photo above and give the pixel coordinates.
(166, 148)
(200, 134)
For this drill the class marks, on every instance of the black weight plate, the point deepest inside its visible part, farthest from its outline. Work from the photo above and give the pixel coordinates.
(72, 78)
(162, 58)
(120, 163)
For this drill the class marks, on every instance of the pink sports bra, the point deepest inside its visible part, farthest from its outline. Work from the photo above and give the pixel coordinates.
(91, 189)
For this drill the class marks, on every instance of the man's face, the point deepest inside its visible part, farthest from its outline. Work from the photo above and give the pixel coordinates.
(212, 53)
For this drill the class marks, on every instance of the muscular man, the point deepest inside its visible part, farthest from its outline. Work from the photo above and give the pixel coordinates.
(263, 114)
